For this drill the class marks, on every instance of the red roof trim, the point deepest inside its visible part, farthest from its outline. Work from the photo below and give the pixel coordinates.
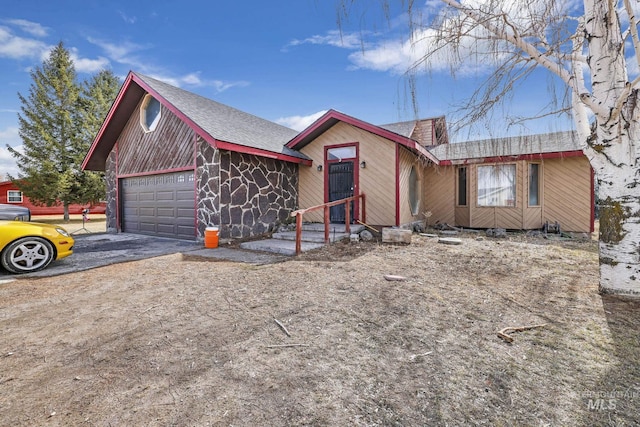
(157, 172)
(333, 115)
(499, 159)
(214, 142)
(222, 145)
(132, 77)
(112, 111)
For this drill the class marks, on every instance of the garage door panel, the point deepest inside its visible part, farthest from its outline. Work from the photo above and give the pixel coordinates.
(166, 212)
(162, 205)
(165, 195)
(184, 195)
(146, 196)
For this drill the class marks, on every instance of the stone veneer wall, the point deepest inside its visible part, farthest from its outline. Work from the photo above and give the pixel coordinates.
(208, 190)
(256, 194)
(112, 193)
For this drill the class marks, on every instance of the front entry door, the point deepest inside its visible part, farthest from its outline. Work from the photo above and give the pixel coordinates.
(340, 187)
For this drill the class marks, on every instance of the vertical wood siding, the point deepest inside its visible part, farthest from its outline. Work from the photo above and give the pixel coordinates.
(169, 146)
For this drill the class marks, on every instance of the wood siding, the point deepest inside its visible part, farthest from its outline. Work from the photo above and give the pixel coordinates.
(567, 193)
(565, 197)
(377, 180)
(407, 161)
(169, 146)
(439, 194)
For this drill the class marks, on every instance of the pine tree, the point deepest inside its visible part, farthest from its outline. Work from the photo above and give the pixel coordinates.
(96, 97)
(57, 124)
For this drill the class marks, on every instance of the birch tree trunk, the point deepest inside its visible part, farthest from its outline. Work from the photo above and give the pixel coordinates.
(611, 147)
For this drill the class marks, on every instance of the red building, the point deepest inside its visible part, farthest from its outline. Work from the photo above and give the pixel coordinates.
(10, 194)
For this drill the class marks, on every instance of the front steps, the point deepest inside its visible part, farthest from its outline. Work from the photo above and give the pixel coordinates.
(284, 243)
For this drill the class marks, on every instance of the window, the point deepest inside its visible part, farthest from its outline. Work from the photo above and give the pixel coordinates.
(14, 196)
(340, 153)
(497, 185)
(534, 184)
(462, 186)
(414, 191)
(149, 113)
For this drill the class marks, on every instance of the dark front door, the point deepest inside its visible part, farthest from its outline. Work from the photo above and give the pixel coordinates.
(340, 187)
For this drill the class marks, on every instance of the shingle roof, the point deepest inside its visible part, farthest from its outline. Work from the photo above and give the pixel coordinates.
(402, 128)
(226, 123)
(557, 142)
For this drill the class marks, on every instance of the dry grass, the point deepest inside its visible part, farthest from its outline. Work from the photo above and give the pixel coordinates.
(172, 342)
(95, 224)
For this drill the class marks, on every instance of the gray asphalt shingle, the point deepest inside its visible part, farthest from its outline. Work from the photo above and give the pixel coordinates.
(226, 123)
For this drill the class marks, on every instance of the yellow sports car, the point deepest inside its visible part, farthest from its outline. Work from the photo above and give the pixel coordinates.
(26, 247)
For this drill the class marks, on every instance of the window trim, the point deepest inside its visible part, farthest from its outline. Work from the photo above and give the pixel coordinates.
(415, 196)
(14, 201)
(459, 169)
(538, 187)
(143, 114)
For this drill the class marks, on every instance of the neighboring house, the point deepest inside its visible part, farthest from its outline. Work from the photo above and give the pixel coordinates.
(11, 194)
(177, 163)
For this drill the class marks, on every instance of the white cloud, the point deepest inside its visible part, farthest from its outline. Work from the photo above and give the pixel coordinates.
(332, 38)
(9, 136)
(86, 65)
(29, 27)
(194, 80)
(126, 18)
(15, 47)
(300, 123)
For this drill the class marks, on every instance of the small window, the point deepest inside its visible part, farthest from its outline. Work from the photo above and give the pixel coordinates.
(149, 113)
(14, 196)
(340, 153)
(497, 185)
(534, 184)
(414, 191)
(462, 186)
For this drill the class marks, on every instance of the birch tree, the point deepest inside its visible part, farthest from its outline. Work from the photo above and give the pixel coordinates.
(593, 48)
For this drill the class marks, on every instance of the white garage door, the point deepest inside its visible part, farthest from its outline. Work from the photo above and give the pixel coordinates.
(160, 205)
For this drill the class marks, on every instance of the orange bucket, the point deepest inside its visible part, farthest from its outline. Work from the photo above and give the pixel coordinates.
(211, 237)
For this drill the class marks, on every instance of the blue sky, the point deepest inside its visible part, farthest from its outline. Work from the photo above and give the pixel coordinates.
(285, 60)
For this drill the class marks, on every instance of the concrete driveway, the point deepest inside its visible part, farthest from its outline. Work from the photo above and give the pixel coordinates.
(97, 250)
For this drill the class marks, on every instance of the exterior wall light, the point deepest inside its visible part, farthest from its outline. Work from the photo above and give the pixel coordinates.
(363, 164)
(319, 168)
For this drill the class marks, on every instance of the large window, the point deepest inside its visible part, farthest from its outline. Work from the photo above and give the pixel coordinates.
(534, 184)
(497, 185)
(462, 186)
(14, 196)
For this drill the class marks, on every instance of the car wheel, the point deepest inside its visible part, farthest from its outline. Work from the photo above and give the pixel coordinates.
(27, 255)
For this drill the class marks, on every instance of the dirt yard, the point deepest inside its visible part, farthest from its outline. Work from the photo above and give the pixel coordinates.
(189, 342)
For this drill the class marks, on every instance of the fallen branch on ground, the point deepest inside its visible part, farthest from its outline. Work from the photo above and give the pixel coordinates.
(394, 278)
(504, 333)
(287, 345)
(282, 327)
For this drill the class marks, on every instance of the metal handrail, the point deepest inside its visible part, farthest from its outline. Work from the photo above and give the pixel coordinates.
(298, 214)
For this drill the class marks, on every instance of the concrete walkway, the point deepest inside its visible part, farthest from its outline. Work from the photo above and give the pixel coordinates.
(312, 238)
